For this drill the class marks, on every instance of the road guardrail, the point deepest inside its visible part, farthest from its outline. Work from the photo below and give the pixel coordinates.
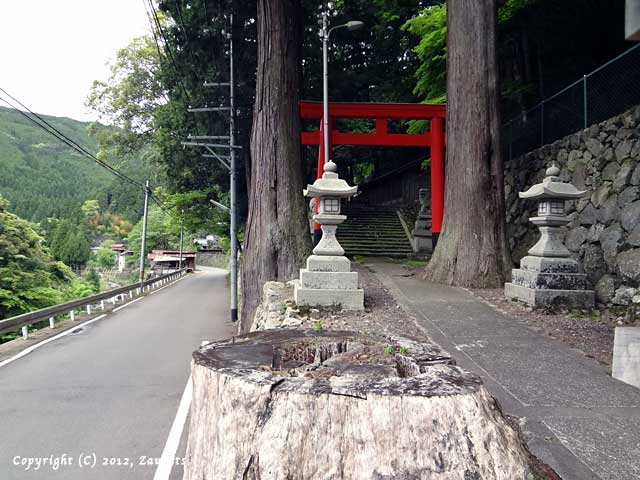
(24, 320)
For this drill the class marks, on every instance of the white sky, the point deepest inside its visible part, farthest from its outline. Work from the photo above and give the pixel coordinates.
(52, 50)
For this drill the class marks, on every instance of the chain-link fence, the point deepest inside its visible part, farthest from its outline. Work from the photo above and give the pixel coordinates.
(607, 91)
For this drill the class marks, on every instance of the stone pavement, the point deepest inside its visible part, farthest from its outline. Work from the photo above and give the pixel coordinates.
(579, 420)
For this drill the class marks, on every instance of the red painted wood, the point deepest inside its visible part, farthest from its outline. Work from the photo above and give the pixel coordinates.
(374, 139)
(437, 174)
(320, 170)
(415, 111)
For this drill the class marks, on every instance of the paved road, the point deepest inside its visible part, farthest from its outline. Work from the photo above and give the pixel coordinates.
(112, 389)
(579, 420)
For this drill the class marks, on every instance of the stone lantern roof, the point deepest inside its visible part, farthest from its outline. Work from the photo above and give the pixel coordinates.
(330, 185)
(552, 187)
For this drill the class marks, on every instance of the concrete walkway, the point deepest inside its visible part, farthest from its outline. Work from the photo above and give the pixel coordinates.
(579, 420)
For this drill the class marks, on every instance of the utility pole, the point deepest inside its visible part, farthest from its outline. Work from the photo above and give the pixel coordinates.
(233, 182)
(181, 237)
(143, 240)
(196, 141)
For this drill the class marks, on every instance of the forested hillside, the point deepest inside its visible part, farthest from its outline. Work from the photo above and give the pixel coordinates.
(41, 176)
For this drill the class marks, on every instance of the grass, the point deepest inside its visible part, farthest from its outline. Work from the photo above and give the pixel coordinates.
(410, 262)
(586, 314)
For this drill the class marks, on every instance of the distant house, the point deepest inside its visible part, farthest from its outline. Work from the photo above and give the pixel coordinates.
(166, 261)
(210, 242)
(121, 253)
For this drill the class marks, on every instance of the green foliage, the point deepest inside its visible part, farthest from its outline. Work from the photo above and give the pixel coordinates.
(70, 243)
(161, 233)
(431, 27)
(29, 277)
(105, 257)
(93, 279)
(133, 91)
(194, 211)
(81, 289)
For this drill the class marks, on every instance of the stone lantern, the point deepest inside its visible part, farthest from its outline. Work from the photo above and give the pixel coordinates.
(548, 276)
(422, 237)
(328, 279)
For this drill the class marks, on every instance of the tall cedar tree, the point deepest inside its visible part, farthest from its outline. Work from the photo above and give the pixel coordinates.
(473, 249)
(277, 236)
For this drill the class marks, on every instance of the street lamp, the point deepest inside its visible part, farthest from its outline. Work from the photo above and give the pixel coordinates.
(324, 33)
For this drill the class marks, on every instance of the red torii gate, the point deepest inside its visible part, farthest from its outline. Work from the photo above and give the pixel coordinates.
(381, 112)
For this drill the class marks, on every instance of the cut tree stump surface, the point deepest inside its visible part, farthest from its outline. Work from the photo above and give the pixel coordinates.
(307, 404)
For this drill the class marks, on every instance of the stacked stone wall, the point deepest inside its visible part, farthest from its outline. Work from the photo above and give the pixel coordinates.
(604, 233)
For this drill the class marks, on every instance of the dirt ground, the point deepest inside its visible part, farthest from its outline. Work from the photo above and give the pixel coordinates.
(588, 331)
(382, 315)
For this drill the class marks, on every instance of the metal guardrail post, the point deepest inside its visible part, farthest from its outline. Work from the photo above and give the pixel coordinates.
(72, 315)
(25, 332)
(88, 309)
(52, 323)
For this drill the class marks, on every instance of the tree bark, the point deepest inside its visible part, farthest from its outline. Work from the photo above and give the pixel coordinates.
(472, 250)
(277, 236)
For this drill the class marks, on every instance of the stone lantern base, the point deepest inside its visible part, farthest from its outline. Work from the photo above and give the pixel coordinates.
(548, 281)
(328, 282)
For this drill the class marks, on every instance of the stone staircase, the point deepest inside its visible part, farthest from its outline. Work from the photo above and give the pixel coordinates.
(373, 231)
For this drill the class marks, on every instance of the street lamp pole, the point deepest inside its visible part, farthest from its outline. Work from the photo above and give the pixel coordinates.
(325, 87)
(325, 33)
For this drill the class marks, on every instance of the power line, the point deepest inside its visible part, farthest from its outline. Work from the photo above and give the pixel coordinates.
(52, 130)
(168, 48)
(48, 127)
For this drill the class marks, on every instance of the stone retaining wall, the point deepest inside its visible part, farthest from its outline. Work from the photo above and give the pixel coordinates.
(605, 230)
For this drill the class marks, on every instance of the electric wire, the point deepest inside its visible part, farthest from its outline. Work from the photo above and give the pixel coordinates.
(168, 49)
(42, 123)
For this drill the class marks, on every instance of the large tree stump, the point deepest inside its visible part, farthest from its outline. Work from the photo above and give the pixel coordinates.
(291, 404)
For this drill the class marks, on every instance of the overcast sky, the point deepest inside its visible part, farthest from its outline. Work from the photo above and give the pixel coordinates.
(52, 50)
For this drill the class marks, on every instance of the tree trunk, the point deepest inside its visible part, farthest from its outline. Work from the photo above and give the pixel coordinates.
(277, 236)
(472, 250)
(291, 404)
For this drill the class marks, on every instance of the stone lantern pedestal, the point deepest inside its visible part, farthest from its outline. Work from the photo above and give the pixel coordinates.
(422, 238)
(328, 280)
(548, 276)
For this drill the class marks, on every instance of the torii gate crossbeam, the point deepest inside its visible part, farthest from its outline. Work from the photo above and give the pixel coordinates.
(434, 138)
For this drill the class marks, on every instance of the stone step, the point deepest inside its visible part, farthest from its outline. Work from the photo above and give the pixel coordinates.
(381, 248)
(372, 230)
(372, 235)
(373, 242)
(367, 253)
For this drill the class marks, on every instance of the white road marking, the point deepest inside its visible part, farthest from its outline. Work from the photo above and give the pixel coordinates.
(168, 285)
(126, 304)
(168, 457)
(44, 342)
